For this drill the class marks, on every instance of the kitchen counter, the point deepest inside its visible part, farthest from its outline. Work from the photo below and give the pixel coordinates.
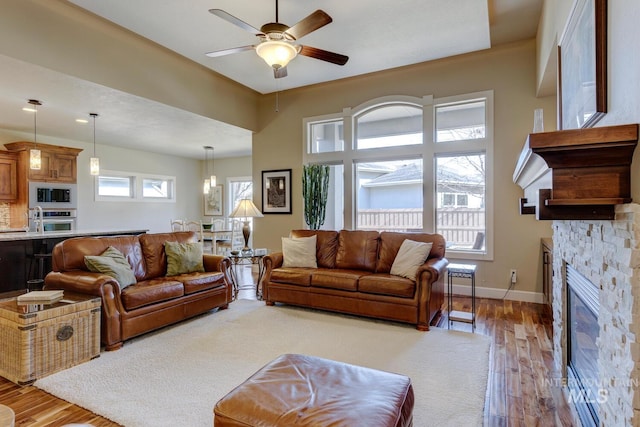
(30, 235)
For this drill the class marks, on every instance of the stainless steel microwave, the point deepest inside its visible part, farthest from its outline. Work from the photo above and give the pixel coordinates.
(53, 195)
(50, 195)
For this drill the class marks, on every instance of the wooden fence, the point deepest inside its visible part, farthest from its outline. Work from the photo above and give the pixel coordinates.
(459, 226)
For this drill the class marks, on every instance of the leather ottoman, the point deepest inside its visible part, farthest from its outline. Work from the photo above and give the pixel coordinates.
(299, 390)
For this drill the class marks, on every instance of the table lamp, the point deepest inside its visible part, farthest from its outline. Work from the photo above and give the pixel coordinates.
(245, 210)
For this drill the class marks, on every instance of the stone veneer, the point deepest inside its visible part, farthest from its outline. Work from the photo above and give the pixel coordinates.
(4, 215)
(608, 254)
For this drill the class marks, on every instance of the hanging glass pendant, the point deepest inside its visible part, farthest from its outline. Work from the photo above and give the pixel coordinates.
(35, 159)
(94, 162)
(94, 166)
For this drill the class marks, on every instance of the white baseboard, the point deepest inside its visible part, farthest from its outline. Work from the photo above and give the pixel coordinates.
(495, 293)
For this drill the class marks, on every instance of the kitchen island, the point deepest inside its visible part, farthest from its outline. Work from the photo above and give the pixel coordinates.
(27, 255)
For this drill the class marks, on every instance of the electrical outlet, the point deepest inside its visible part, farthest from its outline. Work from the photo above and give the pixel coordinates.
(513, 276)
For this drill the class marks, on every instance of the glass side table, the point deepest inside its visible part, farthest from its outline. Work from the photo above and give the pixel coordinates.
(246, 259)
(465, 271)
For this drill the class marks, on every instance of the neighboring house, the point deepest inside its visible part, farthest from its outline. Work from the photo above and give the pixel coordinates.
(402, 188)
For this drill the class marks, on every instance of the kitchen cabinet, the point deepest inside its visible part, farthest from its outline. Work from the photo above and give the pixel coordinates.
(547, 271)
(58, 163)
(8, 176)
(58, 166)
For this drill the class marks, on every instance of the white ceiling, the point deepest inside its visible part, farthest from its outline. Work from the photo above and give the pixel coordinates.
(375, 34)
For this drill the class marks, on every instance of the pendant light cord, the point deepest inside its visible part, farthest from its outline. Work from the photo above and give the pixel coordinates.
(94, 134)
(35, 126)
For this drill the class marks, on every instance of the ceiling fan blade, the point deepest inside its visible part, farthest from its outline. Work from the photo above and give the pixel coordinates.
(316, 20)
(223, 52)
(323, 55)
(279, 73)
(235, 21)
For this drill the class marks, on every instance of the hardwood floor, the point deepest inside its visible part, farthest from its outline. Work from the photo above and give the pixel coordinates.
(517, 393)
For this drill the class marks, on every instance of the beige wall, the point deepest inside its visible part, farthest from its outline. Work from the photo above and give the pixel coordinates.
(509, 70)
(59, 36)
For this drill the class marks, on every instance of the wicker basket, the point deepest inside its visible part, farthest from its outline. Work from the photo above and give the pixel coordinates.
(38, 340)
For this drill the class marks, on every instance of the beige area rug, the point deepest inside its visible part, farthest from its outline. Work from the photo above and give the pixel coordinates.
(175, 376)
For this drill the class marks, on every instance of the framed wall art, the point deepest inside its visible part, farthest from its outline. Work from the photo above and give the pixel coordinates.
(276, 191)
(582, 66)
(213, 201)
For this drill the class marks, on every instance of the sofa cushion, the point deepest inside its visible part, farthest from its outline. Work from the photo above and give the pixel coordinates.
(183, 258)
(299, 252)
(153, 250)
(387, 284)
(294, 276)
(346, 280)
(112, 263)
(326, 245)
(196, 282)
(357, 250)
(390, 243)
(410, 257)
(150, 292)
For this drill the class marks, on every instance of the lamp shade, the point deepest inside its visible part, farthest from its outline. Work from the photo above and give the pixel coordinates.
(276, 53)
(246, 209)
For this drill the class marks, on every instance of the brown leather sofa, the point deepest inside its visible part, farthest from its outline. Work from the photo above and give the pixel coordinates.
(155, 300)
(353, 276)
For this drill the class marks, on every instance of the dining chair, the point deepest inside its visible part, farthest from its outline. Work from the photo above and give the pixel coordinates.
(177, 224)
(194, 226)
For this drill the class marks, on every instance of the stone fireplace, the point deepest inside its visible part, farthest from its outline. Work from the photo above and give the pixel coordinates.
(607, 254)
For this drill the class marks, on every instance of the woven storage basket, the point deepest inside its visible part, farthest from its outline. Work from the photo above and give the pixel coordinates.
(40, 340)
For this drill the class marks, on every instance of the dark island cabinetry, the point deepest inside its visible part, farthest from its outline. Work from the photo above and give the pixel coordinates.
(13, 274)
(26, 256)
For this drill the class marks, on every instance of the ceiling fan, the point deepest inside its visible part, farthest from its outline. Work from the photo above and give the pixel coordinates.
(277, 41)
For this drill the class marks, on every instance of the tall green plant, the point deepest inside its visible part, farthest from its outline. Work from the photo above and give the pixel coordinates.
(315, 189)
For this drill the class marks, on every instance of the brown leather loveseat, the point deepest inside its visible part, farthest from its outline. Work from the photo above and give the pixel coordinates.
(154, 300)
(353, 276)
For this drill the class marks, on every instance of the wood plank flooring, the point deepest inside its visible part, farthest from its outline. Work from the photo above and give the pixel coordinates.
(517, 394)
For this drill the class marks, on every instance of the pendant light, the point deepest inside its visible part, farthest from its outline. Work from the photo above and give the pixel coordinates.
(94, 162)
(207, 182)
(35, 159)
(212, 178)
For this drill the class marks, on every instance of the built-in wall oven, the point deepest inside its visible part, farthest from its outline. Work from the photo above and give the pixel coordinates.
(53, 220)
(52, 206)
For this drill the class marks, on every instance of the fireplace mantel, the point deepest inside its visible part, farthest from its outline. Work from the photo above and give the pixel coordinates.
(577, 173)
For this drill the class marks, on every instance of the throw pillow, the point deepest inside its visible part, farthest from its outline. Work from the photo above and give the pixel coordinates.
(112, 263)
(183, 258)
(410, 257)
(299, 252)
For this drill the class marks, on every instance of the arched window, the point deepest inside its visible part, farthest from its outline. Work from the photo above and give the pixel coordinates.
(411, 164)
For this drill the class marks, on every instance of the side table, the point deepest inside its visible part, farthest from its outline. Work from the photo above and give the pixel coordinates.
(240, 259)
(465, 271)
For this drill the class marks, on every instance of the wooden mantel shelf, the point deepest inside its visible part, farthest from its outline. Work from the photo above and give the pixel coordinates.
(589, 169)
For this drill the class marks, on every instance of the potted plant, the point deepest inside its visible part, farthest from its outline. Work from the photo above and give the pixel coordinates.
(315, 189)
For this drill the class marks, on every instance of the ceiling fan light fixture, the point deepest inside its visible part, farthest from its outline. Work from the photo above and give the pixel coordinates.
(276, 54)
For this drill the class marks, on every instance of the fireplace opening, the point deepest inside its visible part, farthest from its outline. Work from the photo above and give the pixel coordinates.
(585, 390)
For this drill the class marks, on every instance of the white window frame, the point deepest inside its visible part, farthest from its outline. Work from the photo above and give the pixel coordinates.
(136, 180)
(427, 151)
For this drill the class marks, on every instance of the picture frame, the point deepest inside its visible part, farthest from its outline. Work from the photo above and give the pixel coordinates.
(582, 66)
(213, 201)
(276, 191)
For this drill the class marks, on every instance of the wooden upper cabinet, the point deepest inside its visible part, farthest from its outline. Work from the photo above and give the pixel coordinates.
(8, 176)
(58, 163)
